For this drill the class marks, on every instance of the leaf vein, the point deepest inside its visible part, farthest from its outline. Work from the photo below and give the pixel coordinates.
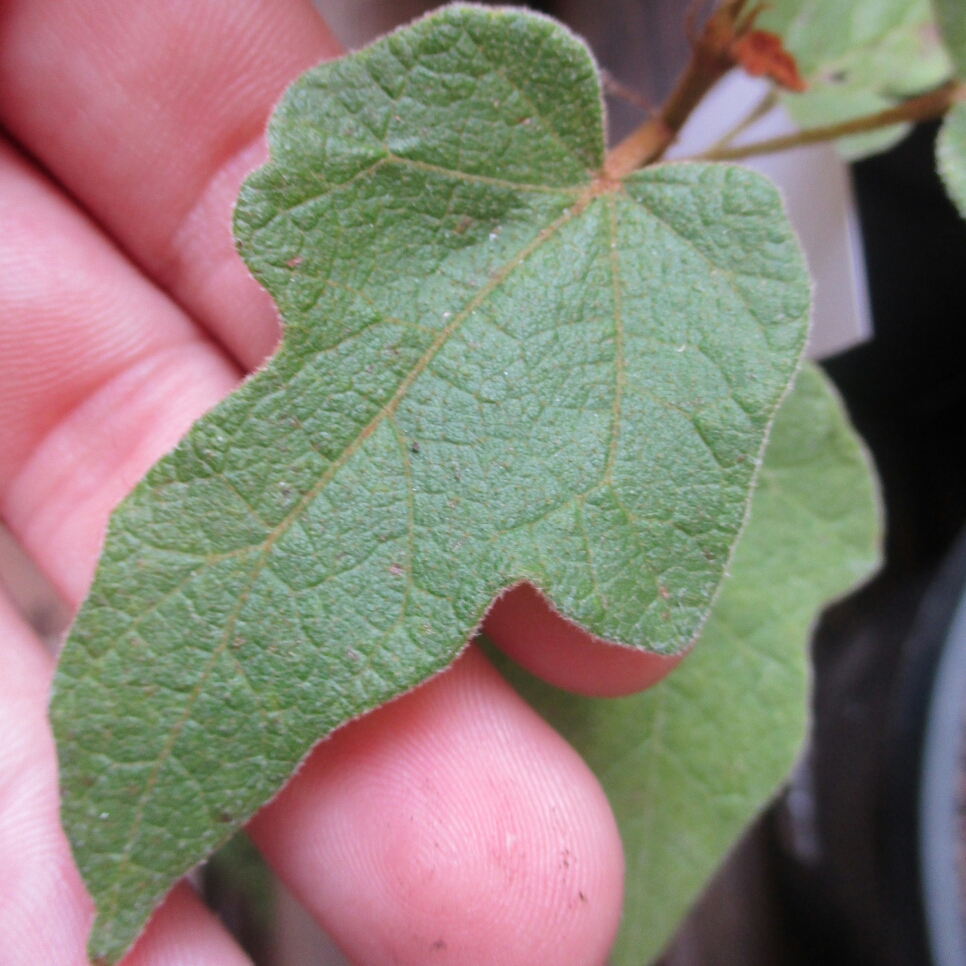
(495, 281)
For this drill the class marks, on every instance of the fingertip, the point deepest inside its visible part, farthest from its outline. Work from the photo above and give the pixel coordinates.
(184, 932)
(455, 824)
(523, 625)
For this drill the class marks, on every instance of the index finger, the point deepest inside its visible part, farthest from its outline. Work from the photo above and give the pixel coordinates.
(151, 115)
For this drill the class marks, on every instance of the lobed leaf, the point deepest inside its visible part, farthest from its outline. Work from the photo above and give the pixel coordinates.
(858, 57)
(497, 366)
(687, 764)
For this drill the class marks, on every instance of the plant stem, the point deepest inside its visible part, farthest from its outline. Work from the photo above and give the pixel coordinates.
(710, 61)
(766, 104)
(927, 107)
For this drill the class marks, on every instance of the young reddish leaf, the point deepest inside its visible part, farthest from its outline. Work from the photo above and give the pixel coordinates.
(858, 64)
(762, 53)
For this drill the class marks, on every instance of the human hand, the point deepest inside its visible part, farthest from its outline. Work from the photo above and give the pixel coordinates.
(434, 829)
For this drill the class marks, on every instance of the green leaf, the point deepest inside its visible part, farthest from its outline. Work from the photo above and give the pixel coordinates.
(951, 155)
(498, 366)
(951, 16)
(687, 764)
(858, 57)
(951, 142)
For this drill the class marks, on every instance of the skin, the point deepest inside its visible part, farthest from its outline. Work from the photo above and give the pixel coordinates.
(450, 826)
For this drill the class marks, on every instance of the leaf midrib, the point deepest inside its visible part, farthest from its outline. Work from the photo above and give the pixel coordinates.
(586, 195)
(385, 412)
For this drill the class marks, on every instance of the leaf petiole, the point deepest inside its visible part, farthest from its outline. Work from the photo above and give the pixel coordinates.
(764, 106)
(927, 107)
(711, 58)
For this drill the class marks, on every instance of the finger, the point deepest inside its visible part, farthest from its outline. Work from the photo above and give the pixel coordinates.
(151, 114)
(75, 312)
(102, 373)
(527, 629)
(45, 912)
(452, 825)
(184, 932)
